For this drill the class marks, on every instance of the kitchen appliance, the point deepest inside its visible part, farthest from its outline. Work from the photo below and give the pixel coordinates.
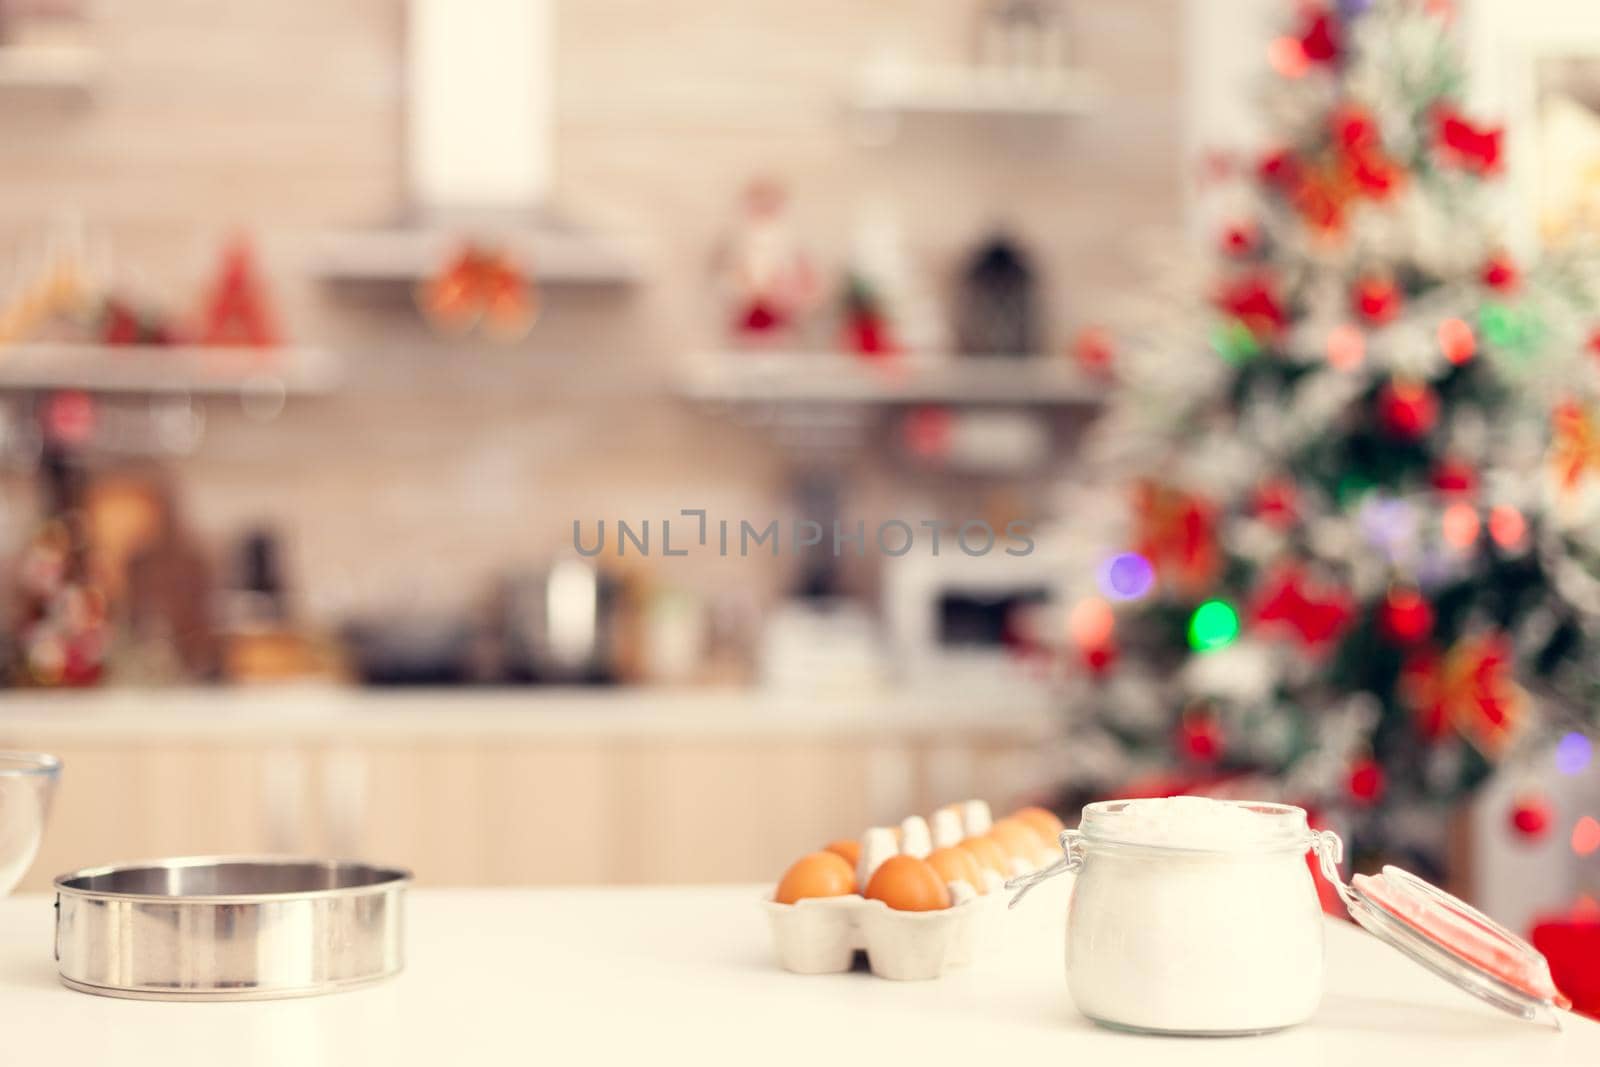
(961, 618)
(229, 928)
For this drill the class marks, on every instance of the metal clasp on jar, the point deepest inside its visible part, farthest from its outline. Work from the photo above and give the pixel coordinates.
(1071, 860)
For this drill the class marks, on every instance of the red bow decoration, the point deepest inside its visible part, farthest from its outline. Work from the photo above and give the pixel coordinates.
(1574, 445)
(478, 286)
(1313, 613)
(1254, 301)
(1462, 144)
(1368, 170)
(1471, 688)
(1176, 532)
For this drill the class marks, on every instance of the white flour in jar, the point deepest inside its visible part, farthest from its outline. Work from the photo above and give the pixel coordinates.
(1197, 916)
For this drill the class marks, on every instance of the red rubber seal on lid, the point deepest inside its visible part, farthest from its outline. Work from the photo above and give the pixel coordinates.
(1476, 940)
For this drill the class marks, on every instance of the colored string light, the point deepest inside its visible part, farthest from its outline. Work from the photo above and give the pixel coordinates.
(1127, 576)
(1213, 625)
(1586, 835)
(1456, 341)
(1573, 753)
(1346, 348)
(1507, 526)
(1460, 525)
(1091, 623)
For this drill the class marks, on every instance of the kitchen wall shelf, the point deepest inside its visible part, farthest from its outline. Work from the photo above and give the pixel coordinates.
(57, 70)
(975, 91)
(834, 379)
(157, 369)
(402, 255)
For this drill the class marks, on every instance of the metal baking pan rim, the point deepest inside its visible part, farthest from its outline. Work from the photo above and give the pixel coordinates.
(218, 995)
(391, 877)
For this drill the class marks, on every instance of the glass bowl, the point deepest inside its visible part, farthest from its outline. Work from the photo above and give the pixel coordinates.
(27, 783)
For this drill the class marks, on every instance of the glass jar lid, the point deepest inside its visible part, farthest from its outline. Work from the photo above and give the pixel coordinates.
(1448, 936)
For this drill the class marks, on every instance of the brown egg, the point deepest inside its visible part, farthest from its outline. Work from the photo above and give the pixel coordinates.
(989, 854)
(1020, 840)
(820, 874)
(846, 847)
(958, 865)
(906, 883)
(1044, 823)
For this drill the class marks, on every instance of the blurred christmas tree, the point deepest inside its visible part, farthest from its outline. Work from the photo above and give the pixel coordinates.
(1360, 568)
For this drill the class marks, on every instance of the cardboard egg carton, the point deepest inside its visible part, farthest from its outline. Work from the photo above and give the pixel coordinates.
(821, 935)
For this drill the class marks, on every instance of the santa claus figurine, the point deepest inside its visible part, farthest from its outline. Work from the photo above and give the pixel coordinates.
(771, 281)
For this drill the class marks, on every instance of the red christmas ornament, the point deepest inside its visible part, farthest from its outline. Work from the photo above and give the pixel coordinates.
(1280, 169)
(1464, 145)
(1200, 737)
(1314, 614)
(1319, 39)
(1455, 477)
(1365, 781)
(1240, 239)
(1500, 273)
(1376, 299)
(1531, 816)
(1276, 503)
(1100, 659)
(1093, 350)
(1406, 616)
(869, 335)
(1407, 410)
(1365, 167)
(1253, 300)
(1594, 343)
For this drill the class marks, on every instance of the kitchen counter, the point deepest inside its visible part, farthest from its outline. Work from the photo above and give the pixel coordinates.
(654, 975)
(311, 711)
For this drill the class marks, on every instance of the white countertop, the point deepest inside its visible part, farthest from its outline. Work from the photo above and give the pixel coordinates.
(312, 711)
(663, 976)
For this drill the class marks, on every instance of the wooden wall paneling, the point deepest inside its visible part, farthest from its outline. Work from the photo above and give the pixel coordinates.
(547, 813)
(733, 810)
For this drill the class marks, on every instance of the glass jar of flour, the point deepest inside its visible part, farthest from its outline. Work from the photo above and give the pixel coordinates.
(1200, 916)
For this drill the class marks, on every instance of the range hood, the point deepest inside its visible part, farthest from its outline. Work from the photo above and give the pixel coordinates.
(479, 153)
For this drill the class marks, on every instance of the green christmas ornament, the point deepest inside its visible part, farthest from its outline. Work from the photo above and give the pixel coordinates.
(1234, 342)
(1512, 329)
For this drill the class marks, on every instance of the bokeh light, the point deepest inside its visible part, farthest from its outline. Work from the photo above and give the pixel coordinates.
(1507, 526)
(1346, 347)
(1091, 623)
(1288, 57)
(1460, 525)
(1456, 341)
(1586, 836)
(1214, 625)
(1126, 576)
(1573, 753)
